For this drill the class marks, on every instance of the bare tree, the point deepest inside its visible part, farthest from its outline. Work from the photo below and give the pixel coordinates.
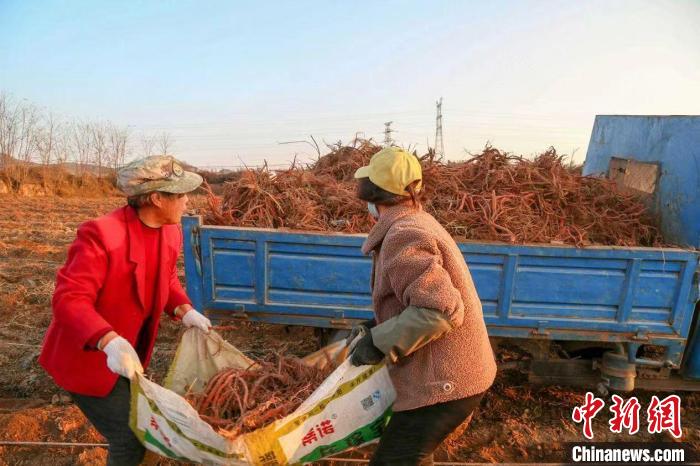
(26, 121)
(148, 144)
(99, 143)
(82, 146)
(118, 145)
(46, 144)
(47, 136)
(164, 143)
(63, 144)
(28, 135)
(18, 135)
(7, 130)
(28, 125)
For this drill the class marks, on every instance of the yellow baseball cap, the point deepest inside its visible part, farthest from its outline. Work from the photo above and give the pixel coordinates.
(392, 169)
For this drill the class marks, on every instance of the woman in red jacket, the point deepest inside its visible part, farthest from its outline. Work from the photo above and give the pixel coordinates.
(429, 319)
(120, 275)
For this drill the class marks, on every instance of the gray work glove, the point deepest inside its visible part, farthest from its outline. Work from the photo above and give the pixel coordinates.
(364, 352)
(358, 330)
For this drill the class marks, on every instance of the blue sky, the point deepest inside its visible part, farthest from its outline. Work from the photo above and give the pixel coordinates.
(229, 80)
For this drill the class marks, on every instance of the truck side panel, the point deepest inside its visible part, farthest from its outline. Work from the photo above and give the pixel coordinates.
(323, 280)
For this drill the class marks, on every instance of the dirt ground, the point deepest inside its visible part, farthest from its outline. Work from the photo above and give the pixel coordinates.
(517, 422)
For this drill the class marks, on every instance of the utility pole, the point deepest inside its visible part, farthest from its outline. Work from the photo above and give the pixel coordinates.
(439, 145)
(387, 134)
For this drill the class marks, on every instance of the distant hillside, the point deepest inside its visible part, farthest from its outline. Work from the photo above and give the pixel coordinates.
(32, 179)
(77, 169)
(70, 178)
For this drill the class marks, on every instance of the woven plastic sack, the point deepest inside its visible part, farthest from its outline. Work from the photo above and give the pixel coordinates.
(349, 409)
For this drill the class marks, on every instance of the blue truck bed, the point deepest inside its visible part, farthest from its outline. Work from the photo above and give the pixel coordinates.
(611, 294)
(619, 299)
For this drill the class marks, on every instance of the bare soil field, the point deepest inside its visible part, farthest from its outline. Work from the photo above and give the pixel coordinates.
(517, 421)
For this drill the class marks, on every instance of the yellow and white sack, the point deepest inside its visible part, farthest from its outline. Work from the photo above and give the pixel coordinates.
(349, 409)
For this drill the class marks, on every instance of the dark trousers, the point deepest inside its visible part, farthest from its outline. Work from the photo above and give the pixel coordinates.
(110, 416)
(412, 436)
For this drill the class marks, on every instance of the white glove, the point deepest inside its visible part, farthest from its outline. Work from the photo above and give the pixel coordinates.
(192, 318)
(122, 358)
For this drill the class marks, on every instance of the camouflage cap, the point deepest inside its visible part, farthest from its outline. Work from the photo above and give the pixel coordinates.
(156, 173)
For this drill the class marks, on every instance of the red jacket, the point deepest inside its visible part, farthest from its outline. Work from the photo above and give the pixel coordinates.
(101, 287)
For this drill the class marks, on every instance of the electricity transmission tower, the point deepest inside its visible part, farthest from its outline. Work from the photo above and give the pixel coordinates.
(387, 134)
(439, 145)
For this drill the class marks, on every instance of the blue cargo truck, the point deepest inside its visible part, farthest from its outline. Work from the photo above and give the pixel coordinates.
(606, 317)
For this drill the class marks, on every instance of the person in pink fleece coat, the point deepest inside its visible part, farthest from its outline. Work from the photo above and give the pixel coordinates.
(430, 324)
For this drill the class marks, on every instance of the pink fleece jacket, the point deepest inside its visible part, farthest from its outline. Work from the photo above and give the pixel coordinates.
(416, 262)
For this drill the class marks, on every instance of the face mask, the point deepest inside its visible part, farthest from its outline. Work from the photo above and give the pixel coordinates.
(372, 208)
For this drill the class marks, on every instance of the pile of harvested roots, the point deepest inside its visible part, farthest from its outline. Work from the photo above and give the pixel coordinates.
(492, 196)
(237, 401)
(320, 197)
